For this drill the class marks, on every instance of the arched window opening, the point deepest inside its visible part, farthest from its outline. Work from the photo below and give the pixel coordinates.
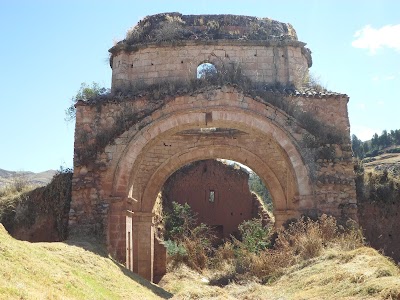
(206, 71)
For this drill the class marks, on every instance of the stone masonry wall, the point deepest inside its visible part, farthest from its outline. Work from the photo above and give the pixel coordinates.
(95, 203)
(281, 63)
(329, 110)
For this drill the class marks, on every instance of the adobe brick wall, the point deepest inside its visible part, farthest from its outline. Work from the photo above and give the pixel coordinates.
(233, 202)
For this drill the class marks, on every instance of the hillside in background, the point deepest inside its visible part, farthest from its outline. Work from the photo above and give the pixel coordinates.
(37, 179)
(386, 161)
(387, 142)
(381, 153)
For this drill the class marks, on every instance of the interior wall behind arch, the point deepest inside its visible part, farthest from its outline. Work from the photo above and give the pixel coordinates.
(217, 193)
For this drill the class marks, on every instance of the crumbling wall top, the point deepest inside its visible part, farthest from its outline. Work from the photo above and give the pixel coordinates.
(177, 27)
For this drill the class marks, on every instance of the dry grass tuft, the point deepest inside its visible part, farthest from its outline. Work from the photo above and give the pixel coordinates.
(301, 242)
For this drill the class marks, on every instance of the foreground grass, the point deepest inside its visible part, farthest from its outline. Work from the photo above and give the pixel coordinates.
(80, 270)
(71, 270)
(357, 274)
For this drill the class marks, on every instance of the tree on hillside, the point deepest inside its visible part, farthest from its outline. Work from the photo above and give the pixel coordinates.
(375, 141)
(384, 139)
(395, 137)
(366, 147)
(377, 144)
(357, 145)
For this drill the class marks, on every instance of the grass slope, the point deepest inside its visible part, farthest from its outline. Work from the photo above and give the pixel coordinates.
(80, 270)
(358, 274)
(71, 270)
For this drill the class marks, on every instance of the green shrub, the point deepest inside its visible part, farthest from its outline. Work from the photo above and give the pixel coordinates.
(393, 150)
(187, 241)
(85, 93)
(175, 251)
(254, 236)
(179, 222)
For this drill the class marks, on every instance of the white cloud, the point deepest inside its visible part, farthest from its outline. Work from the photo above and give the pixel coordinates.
(375, 78)
(364, 133)
(390, 77)
(374, 39)
(361, 106)
(381, 102)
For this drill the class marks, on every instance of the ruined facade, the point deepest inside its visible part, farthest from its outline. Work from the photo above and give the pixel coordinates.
(128, 143)
(217, 193)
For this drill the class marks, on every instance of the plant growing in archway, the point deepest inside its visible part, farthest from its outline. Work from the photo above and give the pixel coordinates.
(185, 240)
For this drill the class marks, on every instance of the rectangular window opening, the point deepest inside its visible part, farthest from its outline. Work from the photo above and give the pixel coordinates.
(211, 196)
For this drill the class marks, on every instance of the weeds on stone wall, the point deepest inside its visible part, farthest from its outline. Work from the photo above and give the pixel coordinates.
(178, 27)
(85, 93)
(125, 120)
(52, 200)
(376, 186)
(159, 93)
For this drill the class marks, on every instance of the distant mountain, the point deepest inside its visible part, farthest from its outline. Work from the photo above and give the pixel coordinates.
(40, 179)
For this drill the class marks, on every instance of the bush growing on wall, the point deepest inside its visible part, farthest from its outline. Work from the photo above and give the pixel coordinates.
(158, 93)
(254, 237)
(85, 93)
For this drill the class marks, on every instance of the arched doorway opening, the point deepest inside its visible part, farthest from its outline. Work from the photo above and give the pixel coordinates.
(221, 194)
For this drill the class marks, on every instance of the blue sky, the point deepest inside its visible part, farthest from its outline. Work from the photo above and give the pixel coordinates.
(50, 47)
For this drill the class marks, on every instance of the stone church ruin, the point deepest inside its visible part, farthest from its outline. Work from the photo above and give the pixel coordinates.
(256, 108)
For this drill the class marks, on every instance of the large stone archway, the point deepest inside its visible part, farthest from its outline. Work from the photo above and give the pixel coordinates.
(127, 146)
(180, 136)
(177, 135)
